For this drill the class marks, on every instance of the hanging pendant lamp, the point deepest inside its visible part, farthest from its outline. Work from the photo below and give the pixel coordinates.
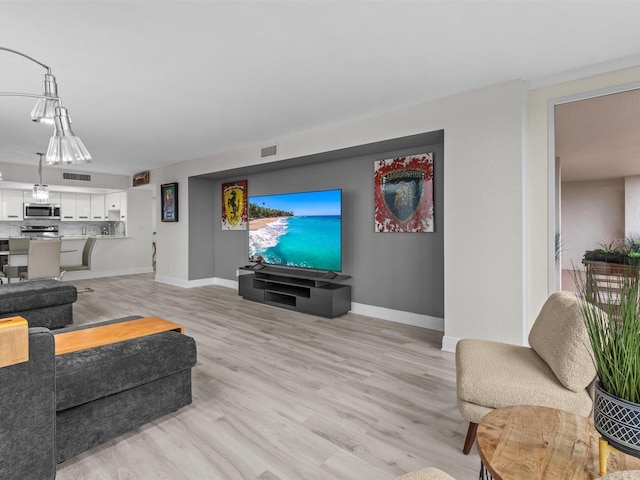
(64, 147)
(45, 107)
(40, 191)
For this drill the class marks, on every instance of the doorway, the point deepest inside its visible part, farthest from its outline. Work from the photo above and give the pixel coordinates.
(596, 149)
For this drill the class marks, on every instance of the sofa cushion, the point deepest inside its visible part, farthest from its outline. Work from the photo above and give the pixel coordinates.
(560, 338)
(89, 374)
(497, 375)
(18, 297)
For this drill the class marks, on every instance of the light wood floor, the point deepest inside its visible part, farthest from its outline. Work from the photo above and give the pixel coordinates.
(279, 395)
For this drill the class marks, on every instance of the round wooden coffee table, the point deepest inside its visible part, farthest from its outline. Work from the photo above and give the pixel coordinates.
(531, 443)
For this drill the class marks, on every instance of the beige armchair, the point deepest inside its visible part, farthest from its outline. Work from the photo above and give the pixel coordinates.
(557, 370)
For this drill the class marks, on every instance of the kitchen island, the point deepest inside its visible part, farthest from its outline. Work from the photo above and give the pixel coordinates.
(111, 255)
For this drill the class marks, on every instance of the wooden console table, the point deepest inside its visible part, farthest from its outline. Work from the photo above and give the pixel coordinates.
(535, 443)
(100, 335)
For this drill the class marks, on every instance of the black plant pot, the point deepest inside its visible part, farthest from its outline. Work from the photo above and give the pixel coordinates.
(618, 421)
(606, 257)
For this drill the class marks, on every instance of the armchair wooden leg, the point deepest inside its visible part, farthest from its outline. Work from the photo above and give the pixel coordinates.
(471, 436)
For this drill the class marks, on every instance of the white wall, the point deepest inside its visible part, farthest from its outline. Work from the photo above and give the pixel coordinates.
(632, 207)
(483, 204)
(592, 213)
(12, 172)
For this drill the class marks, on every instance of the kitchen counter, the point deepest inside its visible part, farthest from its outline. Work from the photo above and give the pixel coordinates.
(98, 237)
(73, 237)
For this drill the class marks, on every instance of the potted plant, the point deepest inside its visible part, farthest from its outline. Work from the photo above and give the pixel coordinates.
(612, 319)
(626, 252)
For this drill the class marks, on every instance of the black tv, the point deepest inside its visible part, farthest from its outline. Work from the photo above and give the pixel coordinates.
(302, 229)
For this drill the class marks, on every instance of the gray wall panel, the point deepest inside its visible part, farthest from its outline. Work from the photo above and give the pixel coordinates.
(400, 271)
(201, 226)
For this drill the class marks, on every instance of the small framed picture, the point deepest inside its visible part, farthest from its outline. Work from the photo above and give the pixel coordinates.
(169, 202)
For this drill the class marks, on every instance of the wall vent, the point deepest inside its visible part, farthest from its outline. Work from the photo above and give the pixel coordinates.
(268, 151)
(76, 176)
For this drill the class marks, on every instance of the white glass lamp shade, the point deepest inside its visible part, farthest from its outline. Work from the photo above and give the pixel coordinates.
(45, 108)
(64, 147)
(41, 193)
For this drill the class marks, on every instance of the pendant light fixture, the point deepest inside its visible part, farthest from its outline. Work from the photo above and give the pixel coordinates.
(45, 107)
(40, 191)
(65, 147)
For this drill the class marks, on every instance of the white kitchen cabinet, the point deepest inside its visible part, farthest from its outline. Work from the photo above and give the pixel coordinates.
(123, 206)
(116, 205)
(12, 205)
(83, 207)
(112, 201)
(98, 212)
(68, 210)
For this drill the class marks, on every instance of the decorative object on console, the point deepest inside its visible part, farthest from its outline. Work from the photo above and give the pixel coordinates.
(141, 178)
(404, 194)
(40, 190)
(64, 147)
(234, 205)
(169, 202)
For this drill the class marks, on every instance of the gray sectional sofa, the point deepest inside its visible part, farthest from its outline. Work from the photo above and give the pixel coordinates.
(43, 303)
(55, 407)
(106, 391)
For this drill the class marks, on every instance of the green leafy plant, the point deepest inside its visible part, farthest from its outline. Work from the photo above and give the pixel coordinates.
(611, 312)
(608, 246)
(632, 243)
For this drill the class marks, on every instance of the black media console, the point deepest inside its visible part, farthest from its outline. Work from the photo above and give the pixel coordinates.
(318, 293)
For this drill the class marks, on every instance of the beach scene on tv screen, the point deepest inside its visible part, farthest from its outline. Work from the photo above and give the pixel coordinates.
(297, 229)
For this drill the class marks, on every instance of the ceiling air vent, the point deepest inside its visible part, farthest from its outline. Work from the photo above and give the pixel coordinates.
(76, 176)
(268, 151)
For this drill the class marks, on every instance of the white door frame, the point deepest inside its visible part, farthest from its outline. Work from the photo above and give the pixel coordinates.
(555, 172)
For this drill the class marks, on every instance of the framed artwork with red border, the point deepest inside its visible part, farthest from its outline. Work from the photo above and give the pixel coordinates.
(234, 205)
(404, 194)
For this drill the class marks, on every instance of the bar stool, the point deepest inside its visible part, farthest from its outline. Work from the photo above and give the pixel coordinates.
(86, 258)
(44, 260)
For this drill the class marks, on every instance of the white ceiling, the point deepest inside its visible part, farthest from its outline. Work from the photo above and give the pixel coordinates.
(599, 137)
(155, 83)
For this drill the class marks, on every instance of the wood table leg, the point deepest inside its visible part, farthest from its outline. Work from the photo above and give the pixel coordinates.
(471, 437)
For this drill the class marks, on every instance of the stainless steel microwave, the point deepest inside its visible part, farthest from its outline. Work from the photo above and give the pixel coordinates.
(41, 211)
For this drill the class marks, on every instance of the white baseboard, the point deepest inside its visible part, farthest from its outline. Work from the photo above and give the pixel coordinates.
(449, 343)
(201, 282)
(223, 282)
(399, 316)
(88, 274)
(176, 282)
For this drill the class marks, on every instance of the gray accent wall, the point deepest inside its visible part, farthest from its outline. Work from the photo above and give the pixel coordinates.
(202, 226)
(399, 271)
